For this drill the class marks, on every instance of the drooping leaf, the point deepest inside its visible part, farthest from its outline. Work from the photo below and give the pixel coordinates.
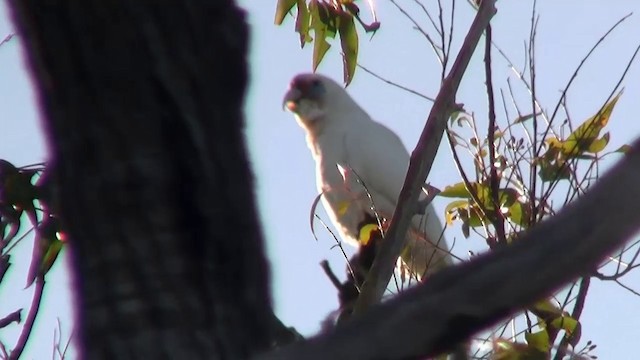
(302, 22)
(320, 31)
(623, 149)
(48, 243)
(282, 9)
(349, 44)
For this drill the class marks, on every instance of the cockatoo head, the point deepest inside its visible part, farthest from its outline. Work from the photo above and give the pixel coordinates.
(311, 97)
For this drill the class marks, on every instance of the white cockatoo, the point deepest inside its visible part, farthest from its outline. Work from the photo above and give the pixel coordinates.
(356, 157)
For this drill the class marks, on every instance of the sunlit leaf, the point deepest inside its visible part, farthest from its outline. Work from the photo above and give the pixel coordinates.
(547, 310)
(457, 191)
(469, 214)
(554, 143)
(282, 8)
(519, 214)
(320, 44)
(538, 340)
(599, 144)
(349, 43)
(450, 211)
(368, 232)
(571, 327)
(506, 350)
(581, 138)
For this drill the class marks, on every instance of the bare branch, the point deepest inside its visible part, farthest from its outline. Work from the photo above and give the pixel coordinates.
(420, 165)
(498, 222)
(31, 318)
(401, 87)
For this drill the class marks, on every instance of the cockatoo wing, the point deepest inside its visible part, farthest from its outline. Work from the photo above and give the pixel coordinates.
(380, 160)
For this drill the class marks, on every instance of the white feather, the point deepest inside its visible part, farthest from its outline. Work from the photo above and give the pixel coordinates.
(350, 149)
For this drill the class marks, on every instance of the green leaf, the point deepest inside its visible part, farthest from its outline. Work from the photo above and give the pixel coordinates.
(450, 211)
(624, 149)
(282, 9)
(507, 196)
(17, 189)
(571, 327)
(581, 138)
(349, 43)
(599, 144)
(546, 310)
(538, 340)
(506, 350)
(462, 209)
(456, 191)
(329, 16)
(302, 22)
(47, 245)
(519, 214)
(320, 44)
(553, 171)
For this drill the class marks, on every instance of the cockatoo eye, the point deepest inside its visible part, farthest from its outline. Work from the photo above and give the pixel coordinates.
(316, 89)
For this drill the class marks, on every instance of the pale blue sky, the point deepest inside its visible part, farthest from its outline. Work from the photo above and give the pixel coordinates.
(284, 169)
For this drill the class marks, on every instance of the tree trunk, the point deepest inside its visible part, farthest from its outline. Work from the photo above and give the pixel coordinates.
(143, 112)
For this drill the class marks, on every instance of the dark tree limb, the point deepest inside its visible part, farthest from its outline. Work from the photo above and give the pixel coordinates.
(143, 107)
(460, 301)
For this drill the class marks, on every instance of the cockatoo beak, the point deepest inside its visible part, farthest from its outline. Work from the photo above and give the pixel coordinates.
(291, 99)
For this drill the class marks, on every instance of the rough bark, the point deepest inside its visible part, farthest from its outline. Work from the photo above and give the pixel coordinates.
(142, 106)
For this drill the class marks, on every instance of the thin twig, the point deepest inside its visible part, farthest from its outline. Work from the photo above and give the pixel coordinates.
(7, 39)
(401, 87)
(532, 75)
(434, 47)
(15, 316)
(31, 317)
(627, 288)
